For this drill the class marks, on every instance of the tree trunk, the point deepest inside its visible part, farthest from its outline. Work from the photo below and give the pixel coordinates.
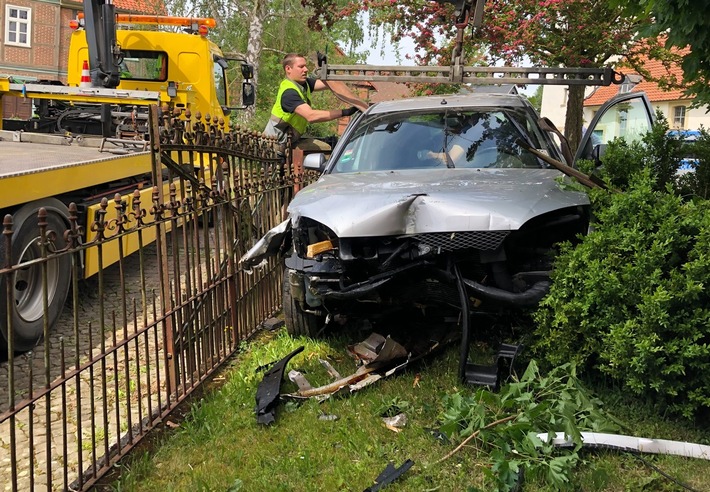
(573, 119)
(254, 47)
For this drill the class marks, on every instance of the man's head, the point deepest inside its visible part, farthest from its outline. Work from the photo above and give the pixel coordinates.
(295, 67)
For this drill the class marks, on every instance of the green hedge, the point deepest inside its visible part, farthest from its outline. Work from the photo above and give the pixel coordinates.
(631, 301)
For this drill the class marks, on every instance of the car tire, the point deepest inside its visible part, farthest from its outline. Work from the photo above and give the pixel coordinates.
(298, 322)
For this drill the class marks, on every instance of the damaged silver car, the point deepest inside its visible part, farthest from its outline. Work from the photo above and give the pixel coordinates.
(430, 203)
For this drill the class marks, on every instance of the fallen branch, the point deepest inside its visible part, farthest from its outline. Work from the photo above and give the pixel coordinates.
(473, 436)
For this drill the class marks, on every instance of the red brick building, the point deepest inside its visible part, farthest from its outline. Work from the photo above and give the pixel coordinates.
(34, 39)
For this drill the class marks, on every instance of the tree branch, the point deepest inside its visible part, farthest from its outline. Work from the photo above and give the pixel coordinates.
(475, 434)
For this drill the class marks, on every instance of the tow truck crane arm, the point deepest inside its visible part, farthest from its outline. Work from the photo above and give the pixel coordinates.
(104, 53)
(469, 13)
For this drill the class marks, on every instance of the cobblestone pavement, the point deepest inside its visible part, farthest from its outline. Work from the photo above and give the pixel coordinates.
(55, 437)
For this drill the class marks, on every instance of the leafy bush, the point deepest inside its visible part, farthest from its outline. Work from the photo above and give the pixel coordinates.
(697, 182)
(508, 423)
(632, 300)
(661, 153)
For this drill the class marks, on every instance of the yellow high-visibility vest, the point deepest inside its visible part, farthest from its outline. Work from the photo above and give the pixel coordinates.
(298, 122)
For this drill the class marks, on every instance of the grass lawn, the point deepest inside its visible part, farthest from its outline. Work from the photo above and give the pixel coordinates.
(219, 446)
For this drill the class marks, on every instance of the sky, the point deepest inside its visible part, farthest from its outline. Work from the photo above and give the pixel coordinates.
(389, 57)
(406, 46)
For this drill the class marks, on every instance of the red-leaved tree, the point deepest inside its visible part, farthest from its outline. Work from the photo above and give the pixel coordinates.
(551, 33)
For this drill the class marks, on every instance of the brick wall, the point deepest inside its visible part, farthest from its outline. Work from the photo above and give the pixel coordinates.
(42, 59)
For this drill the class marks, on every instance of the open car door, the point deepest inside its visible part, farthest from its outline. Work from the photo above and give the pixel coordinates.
(628, 116)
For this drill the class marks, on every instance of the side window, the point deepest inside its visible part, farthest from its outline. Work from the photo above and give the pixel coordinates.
(627, 119)
(144, 65)
(220, 82)
(627, 116)
(18, 26)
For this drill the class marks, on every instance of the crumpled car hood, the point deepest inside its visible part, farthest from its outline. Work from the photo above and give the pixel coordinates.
(407, 202)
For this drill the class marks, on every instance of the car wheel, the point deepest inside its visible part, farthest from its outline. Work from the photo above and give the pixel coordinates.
(297, 321)
(26, 283)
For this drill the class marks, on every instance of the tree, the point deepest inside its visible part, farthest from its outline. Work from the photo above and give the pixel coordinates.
(555, 33)
(684, 23)
(263, 31)
(560, 33)
(536, 99)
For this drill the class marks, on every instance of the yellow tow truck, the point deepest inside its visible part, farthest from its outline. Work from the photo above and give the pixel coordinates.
(88, 140)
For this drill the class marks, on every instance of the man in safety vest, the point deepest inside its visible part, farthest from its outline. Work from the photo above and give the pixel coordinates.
(292, 111)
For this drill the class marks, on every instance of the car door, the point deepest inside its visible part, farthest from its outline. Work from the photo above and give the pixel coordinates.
(628, 116)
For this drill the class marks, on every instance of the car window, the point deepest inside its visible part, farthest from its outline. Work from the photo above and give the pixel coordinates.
(440, 139)
(628, 120)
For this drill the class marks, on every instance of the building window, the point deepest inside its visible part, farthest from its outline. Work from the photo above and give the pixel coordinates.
(679, 117)
(18, 23)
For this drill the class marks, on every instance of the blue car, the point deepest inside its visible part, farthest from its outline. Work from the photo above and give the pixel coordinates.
(688, 161)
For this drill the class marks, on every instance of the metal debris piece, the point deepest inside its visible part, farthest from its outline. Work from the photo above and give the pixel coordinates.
(368, 349)
(300, 380)
(335, 386)
(272, 324)
(331, 370)
(267, 394)
(382, 357)
(328, 417)
(395, 423)
(389, 475)
(377, 350)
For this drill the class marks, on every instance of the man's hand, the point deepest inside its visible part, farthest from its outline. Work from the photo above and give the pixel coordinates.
(350, 111)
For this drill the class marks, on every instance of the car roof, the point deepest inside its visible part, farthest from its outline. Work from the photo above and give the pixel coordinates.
(467, 101)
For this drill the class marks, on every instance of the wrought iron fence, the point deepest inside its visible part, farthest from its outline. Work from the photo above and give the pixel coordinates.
(139, 336)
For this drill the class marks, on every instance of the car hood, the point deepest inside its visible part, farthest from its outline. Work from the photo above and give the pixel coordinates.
(407, 202)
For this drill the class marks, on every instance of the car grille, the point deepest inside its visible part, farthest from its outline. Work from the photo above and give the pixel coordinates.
(450, 241)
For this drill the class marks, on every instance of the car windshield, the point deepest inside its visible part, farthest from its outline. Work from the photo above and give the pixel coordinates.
(482, 138)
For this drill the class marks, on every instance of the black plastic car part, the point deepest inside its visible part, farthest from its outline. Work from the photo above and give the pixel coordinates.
(269, 390)
(389, 475)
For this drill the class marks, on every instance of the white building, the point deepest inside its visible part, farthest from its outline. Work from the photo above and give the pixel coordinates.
(672, 103)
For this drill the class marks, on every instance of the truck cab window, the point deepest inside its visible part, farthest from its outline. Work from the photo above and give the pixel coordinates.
(144, 65)
(220, 82)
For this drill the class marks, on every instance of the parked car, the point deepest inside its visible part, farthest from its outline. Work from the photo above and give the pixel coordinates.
(430, 203)
(688, 160)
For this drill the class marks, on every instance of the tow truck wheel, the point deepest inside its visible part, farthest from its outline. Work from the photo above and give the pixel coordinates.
(297, 321)
(27, 293)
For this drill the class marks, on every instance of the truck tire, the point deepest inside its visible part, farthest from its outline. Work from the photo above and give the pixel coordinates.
(297, 322)
(26, 284)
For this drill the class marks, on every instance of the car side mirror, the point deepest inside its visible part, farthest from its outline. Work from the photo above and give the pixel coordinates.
(247, 71)
(248, 94)
(314, 162)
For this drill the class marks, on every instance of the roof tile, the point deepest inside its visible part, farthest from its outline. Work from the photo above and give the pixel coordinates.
(652, 90)
(143, 7)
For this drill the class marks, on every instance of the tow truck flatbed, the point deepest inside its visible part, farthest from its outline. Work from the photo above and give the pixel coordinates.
(59, 164)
